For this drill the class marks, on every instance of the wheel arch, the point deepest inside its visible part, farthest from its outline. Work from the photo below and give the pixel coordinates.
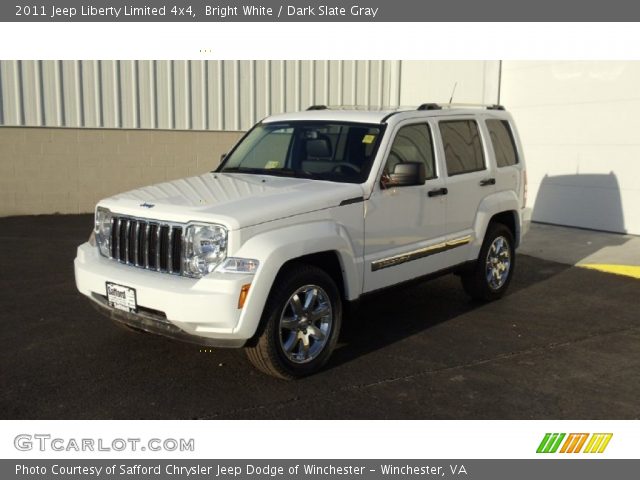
(323, 244)
(500, 207)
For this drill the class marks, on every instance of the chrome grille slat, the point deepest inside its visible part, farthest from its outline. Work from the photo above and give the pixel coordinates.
(170, 250)
(158, 242)
(136, 245)
(127, 237)
(112, 244)
(147, 244)
(147, 227)
(117, 240)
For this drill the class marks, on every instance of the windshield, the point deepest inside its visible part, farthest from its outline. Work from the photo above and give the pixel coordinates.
(339, 152)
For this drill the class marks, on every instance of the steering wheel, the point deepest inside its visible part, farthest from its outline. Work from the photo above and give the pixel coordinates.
(346, 165)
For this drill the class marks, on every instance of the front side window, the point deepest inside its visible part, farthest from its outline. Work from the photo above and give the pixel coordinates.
(340, 152)
(412, 143)
(462, 146)
(502, 141)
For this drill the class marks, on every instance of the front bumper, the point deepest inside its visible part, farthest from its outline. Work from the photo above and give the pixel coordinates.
(203, 311)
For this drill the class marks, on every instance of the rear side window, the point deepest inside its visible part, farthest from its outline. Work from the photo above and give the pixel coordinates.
(462, 146)
(502, 141)
(413, 144)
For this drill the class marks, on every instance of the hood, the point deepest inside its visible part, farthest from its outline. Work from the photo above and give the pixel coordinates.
(232, 199)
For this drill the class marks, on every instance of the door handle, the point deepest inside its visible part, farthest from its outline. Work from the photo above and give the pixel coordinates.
(487, 181)
(437, 192)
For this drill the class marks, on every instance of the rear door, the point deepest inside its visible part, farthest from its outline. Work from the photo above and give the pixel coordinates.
(470, 178)
(508, 163)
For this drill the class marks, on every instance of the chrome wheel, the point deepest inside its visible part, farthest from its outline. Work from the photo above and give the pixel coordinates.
(498, 263)
(305, 324)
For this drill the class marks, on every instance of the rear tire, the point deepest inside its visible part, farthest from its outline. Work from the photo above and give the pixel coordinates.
(300, 324)
(491, 275)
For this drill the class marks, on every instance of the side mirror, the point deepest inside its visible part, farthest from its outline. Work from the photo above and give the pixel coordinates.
(407, 174)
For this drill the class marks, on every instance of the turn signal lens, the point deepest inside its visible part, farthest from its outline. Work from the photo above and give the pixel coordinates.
(244, 291)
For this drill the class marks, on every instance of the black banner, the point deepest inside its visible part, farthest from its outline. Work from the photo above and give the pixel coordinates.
(324, 11)
(532, 469)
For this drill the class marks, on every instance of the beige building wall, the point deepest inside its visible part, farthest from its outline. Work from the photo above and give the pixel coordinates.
(67, 170)
(131, 123)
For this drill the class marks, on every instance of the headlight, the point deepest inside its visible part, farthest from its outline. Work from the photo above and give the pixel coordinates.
(205, 247)
(103, 230)
(239, 265)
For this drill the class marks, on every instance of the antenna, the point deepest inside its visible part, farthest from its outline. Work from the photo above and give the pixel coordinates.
(453, 92)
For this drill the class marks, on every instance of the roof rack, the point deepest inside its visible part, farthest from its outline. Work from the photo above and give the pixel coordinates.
(439, 106)
(397, 109)
(429, 106)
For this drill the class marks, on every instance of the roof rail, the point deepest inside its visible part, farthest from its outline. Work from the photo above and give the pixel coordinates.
(429, 106)
(438, 106)
(317, 107)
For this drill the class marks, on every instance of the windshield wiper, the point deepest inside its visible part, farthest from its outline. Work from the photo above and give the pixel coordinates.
(277, 172)
(243, 170)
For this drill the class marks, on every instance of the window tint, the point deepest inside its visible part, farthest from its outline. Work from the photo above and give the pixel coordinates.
(334, 151)
(502, 141)
(412, 144)
(462, 146)
(268, 148)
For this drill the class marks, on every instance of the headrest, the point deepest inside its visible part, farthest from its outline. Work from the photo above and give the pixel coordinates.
(318, 148)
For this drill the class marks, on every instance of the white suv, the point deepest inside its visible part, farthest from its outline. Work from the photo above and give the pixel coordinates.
(310, 211)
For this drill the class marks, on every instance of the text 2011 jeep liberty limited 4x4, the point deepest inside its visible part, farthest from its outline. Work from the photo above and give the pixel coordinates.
(311, 210)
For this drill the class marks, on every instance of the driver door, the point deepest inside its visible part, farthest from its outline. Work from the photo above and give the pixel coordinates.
(404, 225)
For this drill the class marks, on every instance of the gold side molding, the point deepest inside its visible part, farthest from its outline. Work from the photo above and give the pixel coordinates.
(420, 253)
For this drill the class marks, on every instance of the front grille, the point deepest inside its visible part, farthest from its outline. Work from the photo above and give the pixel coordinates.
(147, 244)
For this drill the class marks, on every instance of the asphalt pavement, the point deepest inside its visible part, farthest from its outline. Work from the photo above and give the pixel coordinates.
(564, 343)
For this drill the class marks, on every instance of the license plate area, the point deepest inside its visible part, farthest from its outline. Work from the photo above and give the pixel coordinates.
(121, 297)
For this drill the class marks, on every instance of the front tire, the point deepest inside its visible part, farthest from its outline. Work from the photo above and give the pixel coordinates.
(492, 272)
(300, 324)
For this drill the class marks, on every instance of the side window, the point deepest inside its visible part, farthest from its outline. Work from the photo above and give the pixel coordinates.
(462, 146)
(413, 143)
(502, 141)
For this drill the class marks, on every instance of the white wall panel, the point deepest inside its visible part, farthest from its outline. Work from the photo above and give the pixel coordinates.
(434, 81)
(579, 127)
(72, 93)
(110, 93)
(11, 90)
(164, 94)
(147, 93)
(129, 103)
(217, 95)
(91, 95)
(31, 89)
(52, 94)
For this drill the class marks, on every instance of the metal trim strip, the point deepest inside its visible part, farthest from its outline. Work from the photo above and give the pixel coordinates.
(419, 253)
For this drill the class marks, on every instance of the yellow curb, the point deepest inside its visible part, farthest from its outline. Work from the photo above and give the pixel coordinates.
(626, 270)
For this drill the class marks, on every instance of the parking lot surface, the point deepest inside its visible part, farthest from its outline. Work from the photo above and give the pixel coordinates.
(563, 343)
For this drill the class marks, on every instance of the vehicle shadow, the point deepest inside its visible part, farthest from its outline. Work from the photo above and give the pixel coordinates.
(591, 202)
(397, 313)
(581, 200)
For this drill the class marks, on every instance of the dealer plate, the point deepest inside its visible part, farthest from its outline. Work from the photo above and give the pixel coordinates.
(121, 297)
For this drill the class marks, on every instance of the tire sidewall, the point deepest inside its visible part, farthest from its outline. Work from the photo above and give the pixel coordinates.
(288, 284)
(495, 230)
